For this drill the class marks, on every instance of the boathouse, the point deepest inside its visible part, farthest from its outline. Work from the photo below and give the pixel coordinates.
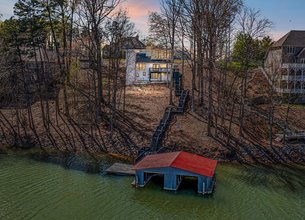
(174, 166)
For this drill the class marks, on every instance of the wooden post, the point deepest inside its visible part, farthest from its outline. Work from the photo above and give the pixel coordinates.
(295, 76)
(302, 80)
(288, 71)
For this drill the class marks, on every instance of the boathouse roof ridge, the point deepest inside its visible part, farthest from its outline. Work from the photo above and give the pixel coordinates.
(157, 160)
(180, 160)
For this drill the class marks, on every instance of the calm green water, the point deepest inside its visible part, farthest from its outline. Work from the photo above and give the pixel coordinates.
(36, 190)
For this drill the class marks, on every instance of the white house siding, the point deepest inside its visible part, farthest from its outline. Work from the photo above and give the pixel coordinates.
(131, 56)
(134, 76)
(143, 75)
(273, 57)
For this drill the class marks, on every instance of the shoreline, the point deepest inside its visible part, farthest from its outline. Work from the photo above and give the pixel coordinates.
(70, 158)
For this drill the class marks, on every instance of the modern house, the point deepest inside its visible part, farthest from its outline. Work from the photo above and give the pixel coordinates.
(174, 167)
(144, 64)
(149, 65)
(284, 64)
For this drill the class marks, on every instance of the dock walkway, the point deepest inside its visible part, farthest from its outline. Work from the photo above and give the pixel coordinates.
(121, 169)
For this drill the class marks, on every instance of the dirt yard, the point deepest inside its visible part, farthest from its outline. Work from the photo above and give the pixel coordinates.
(145, 106)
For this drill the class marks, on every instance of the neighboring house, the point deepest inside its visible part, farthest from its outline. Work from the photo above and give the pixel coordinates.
(284, 64)
(41, 66)
(23, 82)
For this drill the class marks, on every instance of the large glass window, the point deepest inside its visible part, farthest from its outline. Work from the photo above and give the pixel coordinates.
(165, 76)
(155, 76)
(155, 66)
(141, 66)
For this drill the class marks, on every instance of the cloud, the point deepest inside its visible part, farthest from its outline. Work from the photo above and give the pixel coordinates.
(276, 35)
(138, 10)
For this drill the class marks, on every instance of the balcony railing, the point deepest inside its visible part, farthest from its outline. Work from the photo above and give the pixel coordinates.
(293, 65)
(294, 78)
(291, 91)
(159, 70)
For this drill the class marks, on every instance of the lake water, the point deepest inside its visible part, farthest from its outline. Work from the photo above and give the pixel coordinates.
(35, 190)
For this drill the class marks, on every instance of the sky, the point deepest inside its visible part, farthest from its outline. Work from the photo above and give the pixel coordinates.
(286, 14)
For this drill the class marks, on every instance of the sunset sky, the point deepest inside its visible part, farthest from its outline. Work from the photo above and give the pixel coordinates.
(286, 14)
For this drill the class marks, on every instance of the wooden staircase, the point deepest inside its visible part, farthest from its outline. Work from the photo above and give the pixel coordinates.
(170, 111)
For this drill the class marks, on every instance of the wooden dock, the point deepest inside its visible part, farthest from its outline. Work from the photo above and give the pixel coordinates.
(121, 169)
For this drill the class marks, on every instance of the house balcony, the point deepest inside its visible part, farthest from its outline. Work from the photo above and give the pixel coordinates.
(291, 91)
(159, 70)
(293, 66)
(293, 78)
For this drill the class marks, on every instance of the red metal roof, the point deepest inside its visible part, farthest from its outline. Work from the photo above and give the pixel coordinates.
(156, 161)
(180, 160)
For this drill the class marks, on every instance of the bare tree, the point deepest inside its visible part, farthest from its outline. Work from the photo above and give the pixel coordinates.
(171, 10)
(252, 27)
(273, 66)
(159, 30)
(117, 31)
(210, 21)
(92, 14)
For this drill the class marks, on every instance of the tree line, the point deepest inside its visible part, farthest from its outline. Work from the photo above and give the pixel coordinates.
(86, 106)
(222, 42)
(56, 89)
